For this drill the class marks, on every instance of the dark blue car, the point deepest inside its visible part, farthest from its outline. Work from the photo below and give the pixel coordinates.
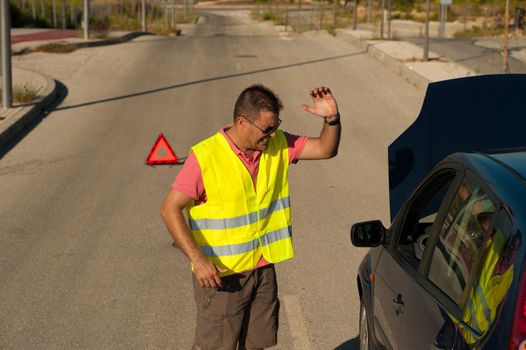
(449, 272)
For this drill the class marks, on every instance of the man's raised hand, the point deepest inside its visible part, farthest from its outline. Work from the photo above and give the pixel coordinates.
(324, 103)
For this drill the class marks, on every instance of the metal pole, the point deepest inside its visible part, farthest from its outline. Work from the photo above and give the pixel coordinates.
(389, 7)
(441, 18)
(382, 16)
(86, 19)
(5, 28)
(143, 15)
(185, 11)
(505, 66)
(426, 41)
(165, 14)
(355, 15)
(173, 14)
(286, 17)
(335, 13)
(321, 15)
(445, 19)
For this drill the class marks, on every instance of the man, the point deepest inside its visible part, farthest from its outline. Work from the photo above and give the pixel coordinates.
(234, 186)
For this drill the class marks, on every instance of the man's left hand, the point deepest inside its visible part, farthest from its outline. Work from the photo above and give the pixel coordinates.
(324, 103)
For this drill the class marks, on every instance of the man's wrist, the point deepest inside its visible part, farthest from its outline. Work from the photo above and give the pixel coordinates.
(333, 119)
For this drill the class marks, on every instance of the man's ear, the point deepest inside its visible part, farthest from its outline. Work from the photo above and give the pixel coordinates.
(240, 121)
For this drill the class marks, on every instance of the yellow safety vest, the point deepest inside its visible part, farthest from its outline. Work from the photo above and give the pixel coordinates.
(238, 224)
(488, 293)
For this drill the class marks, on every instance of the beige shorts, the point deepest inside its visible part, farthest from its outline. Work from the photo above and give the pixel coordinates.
(244, 311)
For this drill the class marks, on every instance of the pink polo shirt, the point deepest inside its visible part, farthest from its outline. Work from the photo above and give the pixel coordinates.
(190, 179)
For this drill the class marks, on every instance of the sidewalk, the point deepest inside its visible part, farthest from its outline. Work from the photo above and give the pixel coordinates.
(406, 58)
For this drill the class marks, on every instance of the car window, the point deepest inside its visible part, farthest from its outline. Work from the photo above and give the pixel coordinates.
(420, 216)
(494, 277)
(460, 240)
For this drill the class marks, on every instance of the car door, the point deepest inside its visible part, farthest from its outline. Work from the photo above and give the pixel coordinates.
(433, 289)
(401, 306)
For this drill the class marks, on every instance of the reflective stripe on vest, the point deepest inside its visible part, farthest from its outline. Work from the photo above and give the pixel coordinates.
(238, 223)
(234, 249)
(243, 220)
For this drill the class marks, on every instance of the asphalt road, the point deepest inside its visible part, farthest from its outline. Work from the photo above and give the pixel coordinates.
(85, 260)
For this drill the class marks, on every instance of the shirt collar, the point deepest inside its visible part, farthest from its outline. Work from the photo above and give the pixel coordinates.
(236, 150)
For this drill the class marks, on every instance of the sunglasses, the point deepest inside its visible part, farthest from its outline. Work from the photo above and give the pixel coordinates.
(267, 131)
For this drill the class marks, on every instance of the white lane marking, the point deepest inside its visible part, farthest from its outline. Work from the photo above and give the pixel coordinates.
(298, 330)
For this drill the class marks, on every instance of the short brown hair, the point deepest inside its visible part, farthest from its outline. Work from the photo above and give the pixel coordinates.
(257, 98)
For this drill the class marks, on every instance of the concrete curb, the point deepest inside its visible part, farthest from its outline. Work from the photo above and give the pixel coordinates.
(76, 43)
(24, 115)
(110, 41)
(19, 117)
(402, 69)
(371, 49)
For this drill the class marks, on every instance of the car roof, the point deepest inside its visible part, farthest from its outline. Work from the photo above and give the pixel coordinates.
(513, 159)
(502, 172)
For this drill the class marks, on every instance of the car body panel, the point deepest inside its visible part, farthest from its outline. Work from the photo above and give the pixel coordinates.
(466, 129)
(427, 321)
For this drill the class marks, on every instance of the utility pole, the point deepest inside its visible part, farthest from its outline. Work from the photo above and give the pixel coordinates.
(389, 8)
(505, 66)
(382, 17)
(334, 22)
(86, 19)
(426, 41)
(355, 15)
(143, 15)
(173, 16)
(5, 52)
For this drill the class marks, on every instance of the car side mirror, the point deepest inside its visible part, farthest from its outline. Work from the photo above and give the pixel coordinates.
(368, 234)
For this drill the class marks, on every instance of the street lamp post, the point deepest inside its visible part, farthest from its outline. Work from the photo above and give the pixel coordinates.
(389, 8)
(505, 66)
(143, 15)
(426, 41)
(355, 15)
(5, 52)
(86, 19)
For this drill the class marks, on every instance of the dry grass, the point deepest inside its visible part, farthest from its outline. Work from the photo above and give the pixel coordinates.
(56, 48)
(24, 94)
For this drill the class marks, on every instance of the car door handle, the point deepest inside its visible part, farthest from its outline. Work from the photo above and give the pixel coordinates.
(400, 305)
(398, 300)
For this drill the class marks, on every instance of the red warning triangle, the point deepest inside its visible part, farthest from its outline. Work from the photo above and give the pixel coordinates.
(161, 153)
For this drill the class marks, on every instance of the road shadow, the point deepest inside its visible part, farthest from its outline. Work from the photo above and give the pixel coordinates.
(207, 80)
(351, 344)
(61, 93)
